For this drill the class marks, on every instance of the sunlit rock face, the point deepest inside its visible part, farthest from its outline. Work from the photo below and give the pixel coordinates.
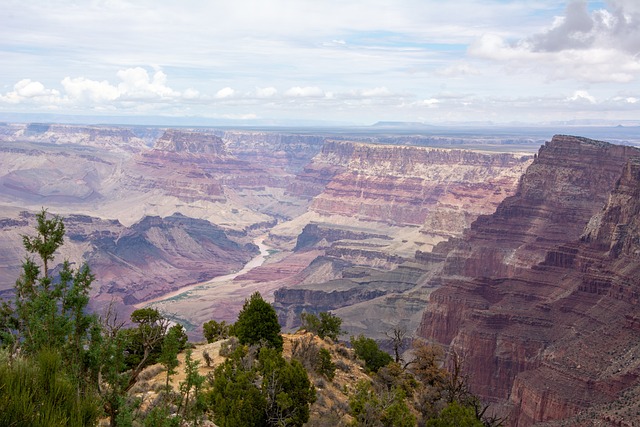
(380, 204)
(417, 186)
(541, 297)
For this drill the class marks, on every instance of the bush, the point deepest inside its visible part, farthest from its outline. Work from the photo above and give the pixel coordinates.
(367, 350)
(37, 392)
(324, 325)
(214, 331)
(305, 351)
(268, 393)
(325, 366)
(456, 415)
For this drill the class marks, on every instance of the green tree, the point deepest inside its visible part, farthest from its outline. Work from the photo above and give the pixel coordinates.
(323, 325)
(257, 323)
(169, 357)
(47, 313)
(234, 397)
(367, 349)
(326, 366)
(144, 342)
(260, 390)
(214, 331)
(456, 415)
(192, 405)
(287, 389)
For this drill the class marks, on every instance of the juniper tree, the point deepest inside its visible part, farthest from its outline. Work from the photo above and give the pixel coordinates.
(258, 322)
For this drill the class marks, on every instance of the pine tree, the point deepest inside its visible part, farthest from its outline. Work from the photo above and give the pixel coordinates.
(257, 323)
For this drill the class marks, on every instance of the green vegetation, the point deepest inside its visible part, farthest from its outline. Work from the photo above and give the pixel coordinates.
(258, 387)
(388, 409)
(214, 331)
(38, 392)
(456, 415)
(324, 325)
(367, 349)
(258, 323)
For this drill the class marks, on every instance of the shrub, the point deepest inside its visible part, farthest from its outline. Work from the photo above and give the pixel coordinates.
(367, 350)
(324, 325)
(214, 331)
(325, 366)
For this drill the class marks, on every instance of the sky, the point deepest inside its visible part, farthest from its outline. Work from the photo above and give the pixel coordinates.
(326, 61)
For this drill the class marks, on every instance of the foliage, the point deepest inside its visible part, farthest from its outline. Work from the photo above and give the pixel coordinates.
(37, 391)
(159, 416)
(393, 376)
(192, 406)
(214, 331)
(48, 313)
(387, 409)
(235, 399)
(367, 349)
(323, 325)
(427, 362)
(325, 366)
(456, 415)
(258, 323)
(144, 342)
(169, 355)
(262, 390)
(287, 389)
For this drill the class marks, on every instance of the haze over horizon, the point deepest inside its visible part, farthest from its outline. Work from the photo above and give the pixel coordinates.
(350, 62)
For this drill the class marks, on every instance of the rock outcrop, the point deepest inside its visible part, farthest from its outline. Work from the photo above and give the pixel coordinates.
(402, 185)
(381, 203)
(541, 297)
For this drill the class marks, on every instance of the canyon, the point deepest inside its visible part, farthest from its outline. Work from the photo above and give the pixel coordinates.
(519, 254)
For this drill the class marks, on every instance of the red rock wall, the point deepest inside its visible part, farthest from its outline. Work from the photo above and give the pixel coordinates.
(540, 314)
(403, 185)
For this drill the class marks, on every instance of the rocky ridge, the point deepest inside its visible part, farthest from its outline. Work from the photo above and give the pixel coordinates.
(541, 296)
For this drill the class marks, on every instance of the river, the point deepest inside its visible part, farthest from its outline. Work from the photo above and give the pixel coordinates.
(257, 261)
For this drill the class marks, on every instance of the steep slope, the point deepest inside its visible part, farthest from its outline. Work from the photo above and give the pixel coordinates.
(544, 314)
(133, 264)
(380, 204)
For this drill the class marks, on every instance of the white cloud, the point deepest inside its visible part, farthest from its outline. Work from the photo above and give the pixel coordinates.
(226, 92)
(30, 91)
(190, 94)
(582, 95)
(431, 102)
(596, 47)
(82, 89)
(136, 84)
(376, 92)
(458, 70)
(288, 59)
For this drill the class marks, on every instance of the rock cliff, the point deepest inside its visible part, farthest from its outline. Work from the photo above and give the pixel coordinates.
(541, 296)
(378, 205)
(403, 185)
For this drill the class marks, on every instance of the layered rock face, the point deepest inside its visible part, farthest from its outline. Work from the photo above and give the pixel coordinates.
(151, 258)
(379, 205)
(541, 297)
(417, 186)
(129, 175)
